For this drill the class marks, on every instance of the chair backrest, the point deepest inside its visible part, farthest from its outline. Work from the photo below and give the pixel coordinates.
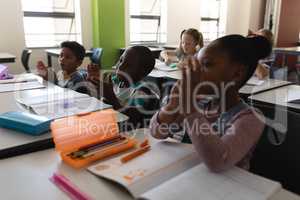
(276, 155)
(25, 59)
(97, 55)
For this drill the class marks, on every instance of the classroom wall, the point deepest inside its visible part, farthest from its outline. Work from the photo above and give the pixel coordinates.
(257, 14)
(11, 35)
(109, 28)
(289, 23)
(181, 15)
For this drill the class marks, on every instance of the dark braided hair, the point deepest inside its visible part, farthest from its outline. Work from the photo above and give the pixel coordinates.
(245, 51)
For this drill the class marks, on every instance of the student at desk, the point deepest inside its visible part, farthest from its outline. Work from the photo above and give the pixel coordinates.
(263, 69)
(70, 58)
(224, 129)
(191, 41)
(125, 89)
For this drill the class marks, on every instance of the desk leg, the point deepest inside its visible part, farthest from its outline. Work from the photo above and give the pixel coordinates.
(49, 60)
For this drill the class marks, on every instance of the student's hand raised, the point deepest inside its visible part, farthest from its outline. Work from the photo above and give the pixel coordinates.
(42, 70)
(190, 86)
(93, 73)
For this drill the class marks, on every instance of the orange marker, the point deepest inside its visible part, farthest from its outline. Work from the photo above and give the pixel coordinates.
(144, 143)
(135, 154)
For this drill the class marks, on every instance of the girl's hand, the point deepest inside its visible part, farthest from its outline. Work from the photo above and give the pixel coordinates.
(262, 71)
(93, 71)
(42, 70)
(191, 78)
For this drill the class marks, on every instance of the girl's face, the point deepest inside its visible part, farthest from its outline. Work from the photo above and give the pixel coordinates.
(68, 61)
(188, 44)
(217, 70)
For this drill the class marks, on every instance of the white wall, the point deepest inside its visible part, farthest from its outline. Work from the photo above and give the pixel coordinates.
(11, 35)
(257, 14)
(12, 38)
(238, 17)
(182, 14)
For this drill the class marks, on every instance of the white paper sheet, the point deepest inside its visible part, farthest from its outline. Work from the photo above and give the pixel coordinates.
(55, 94)
(11, 87)
(255, 81)
(293, 96)
(163, 67)
(200, 183)
(164, 161)
(68, 107)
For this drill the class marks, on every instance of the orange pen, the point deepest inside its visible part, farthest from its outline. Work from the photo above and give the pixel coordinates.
(135, 154)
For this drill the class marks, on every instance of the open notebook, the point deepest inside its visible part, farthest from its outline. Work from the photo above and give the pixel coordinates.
(59, 103)
(173, 170)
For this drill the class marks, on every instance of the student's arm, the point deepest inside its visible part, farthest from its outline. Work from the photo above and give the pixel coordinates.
(220, 154)
(169, 56)
(262, 71)
(104, 87)
(167, 116)
(46, 73)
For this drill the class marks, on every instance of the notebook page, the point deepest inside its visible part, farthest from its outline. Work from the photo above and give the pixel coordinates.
(199, 182)
(164, 160)
(163, 67)
(50, 95)
(63, 108)
(11, 87)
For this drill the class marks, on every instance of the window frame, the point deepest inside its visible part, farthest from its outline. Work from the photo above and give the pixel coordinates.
(214, 19)
(54, 15)
(147, 17)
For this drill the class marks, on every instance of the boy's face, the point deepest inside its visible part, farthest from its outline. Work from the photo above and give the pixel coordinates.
(127, 66)
(68, 61)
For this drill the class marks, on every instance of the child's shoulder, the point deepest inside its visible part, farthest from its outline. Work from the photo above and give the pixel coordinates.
(250, 115)
(79, 76)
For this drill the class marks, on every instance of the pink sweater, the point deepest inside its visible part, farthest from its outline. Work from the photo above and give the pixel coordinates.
(220, 153)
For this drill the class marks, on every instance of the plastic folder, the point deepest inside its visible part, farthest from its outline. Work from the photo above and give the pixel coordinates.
(85, 138)
(25, 122)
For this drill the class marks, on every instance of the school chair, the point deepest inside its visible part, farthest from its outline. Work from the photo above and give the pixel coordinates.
(25, 59)
(96, 55)
(277, 153)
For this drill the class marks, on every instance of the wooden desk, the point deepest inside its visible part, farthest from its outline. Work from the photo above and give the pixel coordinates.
(7, 58)
(27, 177)
(56, 52)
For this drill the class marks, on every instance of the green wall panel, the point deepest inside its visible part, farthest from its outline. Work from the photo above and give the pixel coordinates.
(109, 28)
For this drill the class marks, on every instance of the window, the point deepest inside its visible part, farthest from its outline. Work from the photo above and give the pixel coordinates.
(213, 17)
(147, 23)
(49, 22)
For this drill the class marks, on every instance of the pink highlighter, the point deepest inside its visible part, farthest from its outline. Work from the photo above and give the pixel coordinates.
(69, 188)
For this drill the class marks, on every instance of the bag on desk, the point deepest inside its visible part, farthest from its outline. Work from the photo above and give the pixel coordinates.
(25, 122)
(85, 138)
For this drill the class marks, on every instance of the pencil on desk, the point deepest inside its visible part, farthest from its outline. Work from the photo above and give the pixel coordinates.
(135, 154)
